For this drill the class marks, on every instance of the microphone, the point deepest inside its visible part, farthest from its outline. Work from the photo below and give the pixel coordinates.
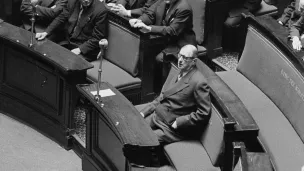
(33, 5)
(103, 44)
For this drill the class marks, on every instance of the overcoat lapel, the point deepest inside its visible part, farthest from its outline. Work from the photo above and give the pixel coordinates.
(74, 15)
(160, 13)
(175, 87)
(171, 11)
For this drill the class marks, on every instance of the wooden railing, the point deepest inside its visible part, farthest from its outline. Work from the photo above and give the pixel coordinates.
(37, 85)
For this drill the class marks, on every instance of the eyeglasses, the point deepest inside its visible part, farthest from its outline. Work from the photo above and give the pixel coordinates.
(187, 59)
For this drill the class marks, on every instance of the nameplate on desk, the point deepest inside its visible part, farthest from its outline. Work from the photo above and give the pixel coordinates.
(104, 93)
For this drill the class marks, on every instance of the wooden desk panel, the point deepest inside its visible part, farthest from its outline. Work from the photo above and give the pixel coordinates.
(116, 132)
(38, 84)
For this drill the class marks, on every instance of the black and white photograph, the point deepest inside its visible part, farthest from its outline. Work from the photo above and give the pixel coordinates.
(152, 85)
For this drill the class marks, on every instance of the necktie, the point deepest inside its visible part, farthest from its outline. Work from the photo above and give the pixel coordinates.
(165, 13)
(180, 75)
(79, 15)
(166, 8)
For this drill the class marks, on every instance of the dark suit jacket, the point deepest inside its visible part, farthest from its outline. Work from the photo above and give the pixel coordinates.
(46, 16)
(91, 28)
(296, 28)
(292, 18)
(291, 14)
(186, 101)
(177, 24)
(137, 7)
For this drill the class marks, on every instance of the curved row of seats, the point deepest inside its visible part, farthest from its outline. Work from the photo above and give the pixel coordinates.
(129, 67)
(271, 86)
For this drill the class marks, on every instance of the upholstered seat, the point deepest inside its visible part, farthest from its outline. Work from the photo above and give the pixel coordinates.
(201, 50)
(127, 63)
(271, 87)
(114, 75)
(266, 9)
(189, 155)
(199, 155)
(198, 8)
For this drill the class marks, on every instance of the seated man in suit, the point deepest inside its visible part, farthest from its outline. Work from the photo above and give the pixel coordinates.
(170, 18)
(86, 24)
(183, 108)
(131, 8)
(47, 19)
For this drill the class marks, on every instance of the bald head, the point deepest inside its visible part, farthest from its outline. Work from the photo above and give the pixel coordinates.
(188, 51)
(187, 57)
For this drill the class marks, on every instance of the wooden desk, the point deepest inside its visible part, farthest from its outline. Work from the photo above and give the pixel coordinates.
(38, 84)
(116, 132)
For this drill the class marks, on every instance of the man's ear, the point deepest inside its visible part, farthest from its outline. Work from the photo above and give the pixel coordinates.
(194, 60)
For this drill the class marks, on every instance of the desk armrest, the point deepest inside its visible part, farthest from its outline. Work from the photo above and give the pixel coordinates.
(118, 122)
(253, 161)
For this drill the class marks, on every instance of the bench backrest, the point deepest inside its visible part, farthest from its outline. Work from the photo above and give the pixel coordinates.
(123, 49)
(213, 137)
(275, 75)
(198, 8)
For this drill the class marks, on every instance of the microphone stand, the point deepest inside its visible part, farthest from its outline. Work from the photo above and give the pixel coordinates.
(32, 25)
(103, 46)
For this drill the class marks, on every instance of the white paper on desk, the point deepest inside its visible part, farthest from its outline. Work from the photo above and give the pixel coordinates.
(104, 93)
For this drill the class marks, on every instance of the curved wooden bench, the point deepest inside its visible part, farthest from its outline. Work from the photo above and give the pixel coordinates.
(269, 81)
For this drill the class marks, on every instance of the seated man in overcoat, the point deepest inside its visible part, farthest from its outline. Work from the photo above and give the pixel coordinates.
(85, 25)
(183, 108)
(46, 18)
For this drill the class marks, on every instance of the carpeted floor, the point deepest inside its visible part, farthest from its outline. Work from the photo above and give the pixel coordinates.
(24, 149)
(229, 59)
